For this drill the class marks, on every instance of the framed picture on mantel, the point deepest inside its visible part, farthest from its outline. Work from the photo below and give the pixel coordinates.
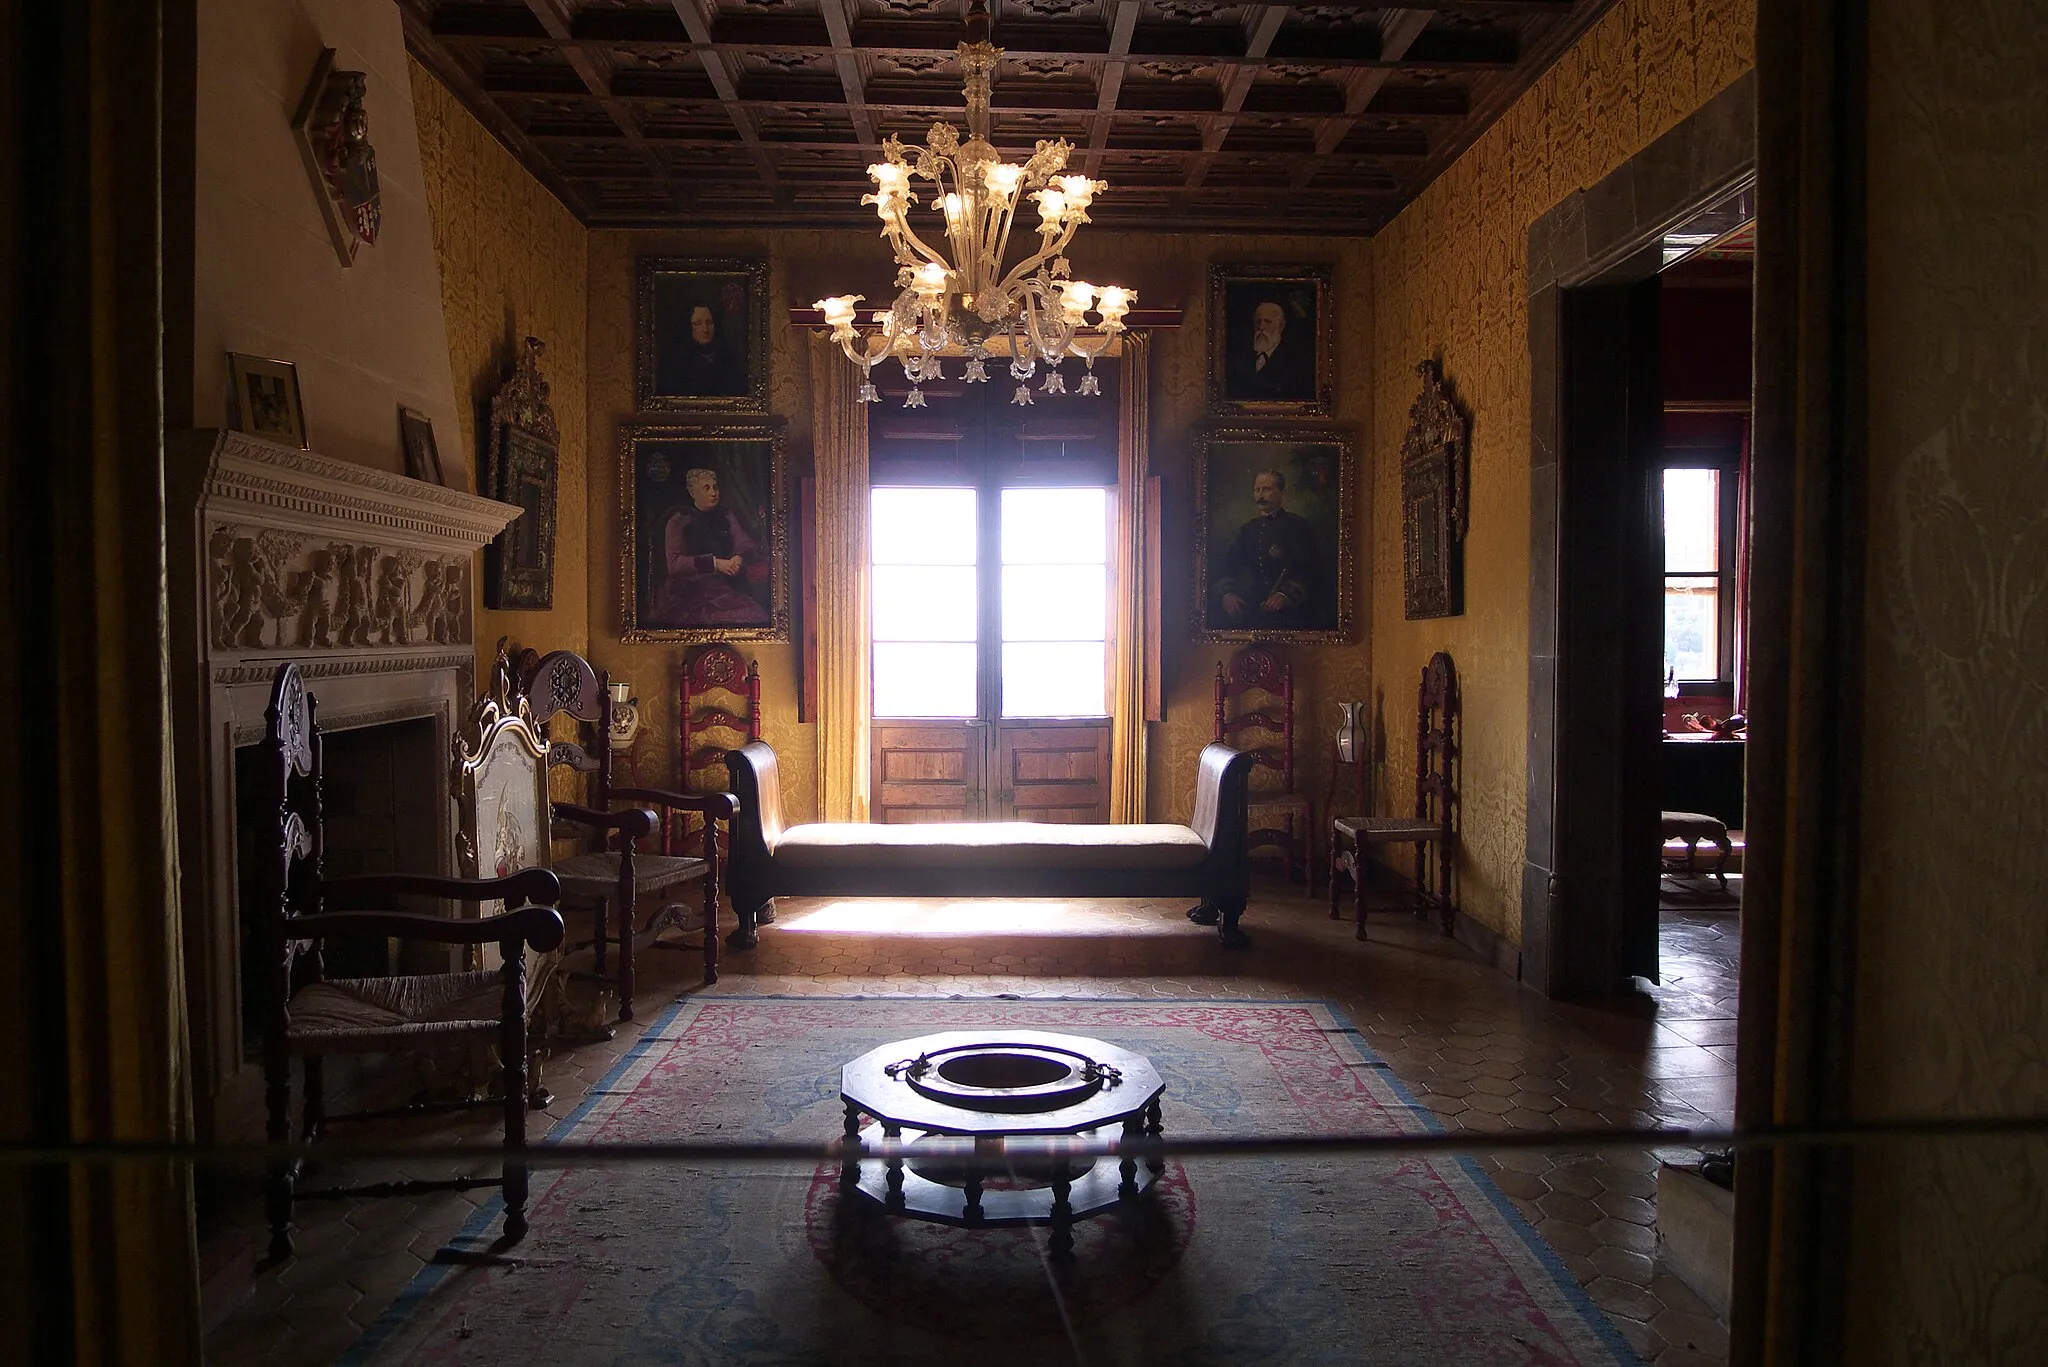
(520, 464)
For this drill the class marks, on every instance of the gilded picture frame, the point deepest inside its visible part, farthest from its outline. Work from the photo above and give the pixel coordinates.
(704, 533)
(521, 465)
(1435, 460)
(1270, 340)
(1275, 534)
(263, 399)
(701, 335)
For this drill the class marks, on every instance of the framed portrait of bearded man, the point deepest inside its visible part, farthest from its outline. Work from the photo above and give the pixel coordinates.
(704, 545)
(1275, 533)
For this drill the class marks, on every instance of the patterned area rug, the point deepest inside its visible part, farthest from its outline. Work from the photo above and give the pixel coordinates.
(1334, 1260)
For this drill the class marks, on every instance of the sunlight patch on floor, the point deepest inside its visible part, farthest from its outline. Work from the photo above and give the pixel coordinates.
(967, 916)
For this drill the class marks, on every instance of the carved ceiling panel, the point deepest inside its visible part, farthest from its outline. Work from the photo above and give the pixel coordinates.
(1201, 114)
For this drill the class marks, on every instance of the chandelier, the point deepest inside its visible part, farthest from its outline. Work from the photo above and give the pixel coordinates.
(1035, 313)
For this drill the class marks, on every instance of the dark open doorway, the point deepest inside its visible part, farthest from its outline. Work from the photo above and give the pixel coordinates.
(1597, 632)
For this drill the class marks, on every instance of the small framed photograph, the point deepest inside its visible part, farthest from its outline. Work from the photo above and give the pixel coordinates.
(1274, 552)
(705, 540)
(416, 436)
(263, 399)
(1269, 341)
(702, 335)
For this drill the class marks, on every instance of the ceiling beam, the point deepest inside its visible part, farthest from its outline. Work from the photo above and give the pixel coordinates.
(593, 68)
(1121, 26)
(849, 69)
(721, 81)
(1399, 29)
(419, 42)
(1265, 23)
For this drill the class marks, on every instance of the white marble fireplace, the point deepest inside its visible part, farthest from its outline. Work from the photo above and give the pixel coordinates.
(367, 580)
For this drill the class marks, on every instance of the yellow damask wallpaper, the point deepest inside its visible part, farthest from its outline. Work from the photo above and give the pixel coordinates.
(1167, 271)
(1951, 1246)
(512, 264)
(1450, 279)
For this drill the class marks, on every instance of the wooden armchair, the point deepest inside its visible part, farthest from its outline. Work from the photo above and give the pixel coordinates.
(310, 1016)
(562, 682)
(1434, 825)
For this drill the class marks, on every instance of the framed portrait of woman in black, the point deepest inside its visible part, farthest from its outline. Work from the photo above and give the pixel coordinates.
(705, 544)
(702, 333)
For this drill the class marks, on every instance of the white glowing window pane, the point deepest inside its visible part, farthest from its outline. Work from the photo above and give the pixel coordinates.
(924, 680)
(1055, 526)
(1055, 602)
(922, 526)
(924, 603)
(1053, 679)
(1692, 621)
(1692, 521)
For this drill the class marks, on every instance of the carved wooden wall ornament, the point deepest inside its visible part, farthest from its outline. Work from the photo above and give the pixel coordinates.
(333, 134)
(1435, 474)
(520, 464)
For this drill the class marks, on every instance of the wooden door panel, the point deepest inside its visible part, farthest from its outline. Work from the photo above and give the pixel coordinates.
(1053, 772)
(928, 771)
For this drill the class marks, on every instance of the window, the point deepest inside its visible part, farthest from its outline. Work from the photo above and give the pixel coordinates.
(926, 602)
(1049, 652)
(1699, 555)
(1055, 602)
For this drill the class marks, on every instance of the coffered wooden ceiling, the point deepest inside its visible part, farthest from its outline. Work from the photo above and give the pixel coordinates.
(1200, 114)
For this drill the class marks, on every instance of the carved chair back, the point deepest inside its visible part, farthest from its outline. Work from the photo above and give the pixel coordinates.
(1436, 743)
(1258, 670)
(562, 683)
(291, 747)
(707, 729)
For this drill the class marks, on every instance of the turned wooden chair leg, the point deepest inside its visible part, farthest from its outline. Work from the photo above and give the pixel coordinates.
(277, 1093)
(1335, 854)
(1361, 873)
(512, 1056)
(316, 1097)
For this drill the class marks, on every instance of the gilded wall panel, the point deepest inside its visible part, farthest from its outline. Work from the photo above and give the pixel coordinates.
(1450, 278)
(1167, 271)
(1951, 1255)
(513, 265)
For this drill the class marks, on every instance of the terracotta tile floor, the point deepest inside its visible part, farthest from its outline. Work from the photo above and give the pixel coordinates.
(1469, 1043)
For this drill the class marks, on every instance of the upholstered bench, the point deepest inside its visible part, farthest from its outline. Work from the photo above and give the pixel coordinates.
(1692, 828)
(1204, 860)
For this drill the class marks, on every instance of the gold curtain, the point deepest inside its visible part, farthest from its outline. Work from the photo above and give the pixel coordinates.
(97, 1260)
(840, 439)
(1127, 699)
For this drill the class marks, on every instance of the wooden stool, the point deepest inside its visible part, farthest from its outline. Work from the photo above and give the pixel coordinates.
(1692, 828)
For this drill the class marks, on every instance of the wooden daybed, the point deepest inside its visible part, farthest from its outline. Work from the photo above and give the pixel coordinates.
(1205, 860)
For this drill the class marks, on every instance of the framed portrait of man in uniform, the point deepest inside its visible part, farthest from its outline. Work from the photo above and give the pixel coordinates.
(1269, 341)
(1275, 558)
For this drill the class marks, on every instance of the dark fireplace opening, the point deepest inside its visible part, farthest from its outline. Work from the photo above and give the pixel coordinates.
(384, 799)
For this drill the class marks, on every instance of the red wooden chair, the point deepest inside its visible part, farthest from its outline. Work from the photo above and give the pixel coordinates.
(1279, 817)
(708, 729)
(1434, 824)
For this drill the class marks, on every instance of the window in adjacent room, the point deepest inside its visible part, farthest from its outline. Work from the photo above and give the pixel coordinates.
(1699, 570)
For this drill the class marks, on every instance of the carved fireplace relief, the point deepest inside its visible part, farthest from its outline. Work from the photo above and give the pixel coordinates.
(366, 579)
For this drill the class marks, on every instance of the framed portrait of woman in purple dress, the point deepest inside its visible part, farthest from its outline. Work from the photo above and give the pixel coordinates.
(705, 551)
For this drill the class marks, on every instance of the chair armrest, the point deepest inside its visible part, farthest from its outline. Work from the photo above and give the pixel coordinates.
(538, 926)
(720, 806)
(527, 885)
(633, 822)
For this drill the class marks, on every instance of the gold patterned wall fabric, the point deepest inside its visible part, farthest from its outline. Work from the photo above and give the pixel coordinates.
(513, 264)
(1951, 1248)
(1167, 270)
(1450, 279)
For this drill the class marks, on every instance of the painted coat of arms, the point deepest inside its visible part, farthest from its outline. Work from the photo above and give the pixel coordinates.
(334, 134)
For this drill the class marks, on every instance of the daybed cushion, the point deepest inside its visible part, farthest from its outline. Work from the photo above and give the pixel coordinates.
(988, 844)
